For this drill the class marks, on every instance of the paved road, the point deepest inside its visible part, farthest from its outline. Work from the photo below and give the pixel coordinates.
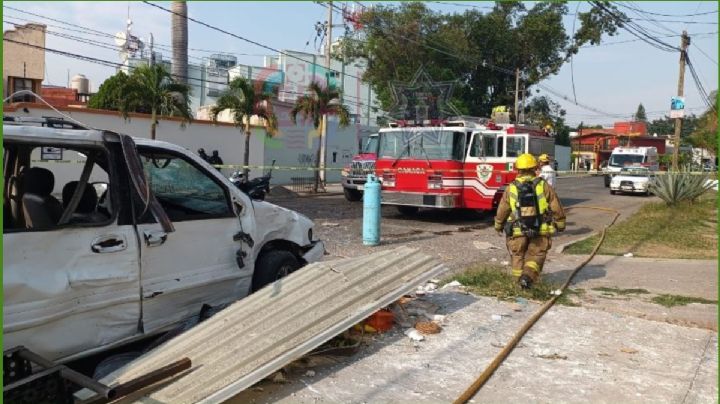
(459, 238)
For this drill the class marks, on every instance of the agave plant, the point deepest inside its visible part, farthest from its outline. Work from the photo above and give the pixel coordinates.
(674, 187)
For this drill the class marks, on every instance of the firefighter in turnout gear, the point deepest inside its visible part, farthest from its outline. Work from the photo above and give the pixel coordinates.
(529, 213)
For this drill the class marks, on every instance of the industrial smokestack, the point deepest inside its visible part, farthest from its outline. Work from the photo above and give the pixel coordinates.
(179, 41)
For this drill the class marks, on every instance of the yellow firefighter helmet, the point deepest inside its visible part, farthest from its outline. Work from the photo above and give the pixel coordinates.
(526, 161)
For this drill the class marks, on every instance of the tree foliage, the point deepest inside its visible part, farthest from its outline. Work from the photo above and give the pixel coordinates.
(640, 114)
(148, 90)
(546, 113)
(665, 126)
(322, 100)
(705, 132)
(111, 93)
(244, 102)
(479, 50)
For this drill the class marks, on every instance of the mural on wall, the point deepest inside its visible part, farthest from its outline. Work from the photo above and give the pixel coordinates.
(303, 139)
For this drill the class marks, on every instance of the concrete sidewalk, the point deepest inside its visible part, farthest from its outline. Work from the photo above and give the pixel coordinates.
(691, 278)
(571, 355)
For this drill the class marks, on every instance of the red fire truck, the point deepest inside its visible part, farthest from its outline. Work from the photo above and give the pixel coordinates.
(453, 164)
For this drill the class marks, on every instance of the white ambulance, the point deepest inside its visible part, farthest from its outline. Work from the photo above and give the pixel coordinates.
(624, 157)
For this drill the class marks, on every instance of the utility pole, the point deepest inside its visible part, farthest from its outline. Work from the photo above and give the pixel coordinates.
(517, 89)
(522, 105)
(152, 52)
(684, 43)
(323, 133)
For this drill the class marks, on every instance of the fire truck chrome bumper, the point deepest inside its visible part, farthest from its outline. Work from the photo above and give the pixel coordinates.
(443, 201)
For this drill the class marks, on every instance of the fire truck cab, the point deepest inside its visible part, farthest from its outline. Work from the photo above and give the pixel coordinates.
(456, 164)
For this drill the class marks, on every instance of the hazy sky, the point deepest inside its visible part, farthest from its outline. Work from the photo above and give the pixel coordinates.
(613, 78)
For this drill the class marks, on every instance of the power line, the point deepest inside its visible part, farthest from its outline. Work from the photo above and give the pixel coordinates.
(462, 5)
(59, 21)
(657, 23)
(698, 84)
(670, 15)
(246, 39)
(636, 40)
(91, 31)
(119, 65)
(705, 54)
(636, 30)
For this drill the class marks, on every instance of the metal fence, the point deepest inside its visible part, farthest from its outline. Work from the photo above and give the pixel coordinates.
(302, 184)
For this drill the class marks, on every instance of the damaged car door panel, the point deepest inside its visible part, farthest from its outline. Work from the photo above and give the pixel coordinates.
(179, 236)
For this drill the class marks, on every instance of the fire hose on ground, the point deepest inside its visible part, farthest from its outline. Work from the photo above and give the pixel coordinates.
(505, 352)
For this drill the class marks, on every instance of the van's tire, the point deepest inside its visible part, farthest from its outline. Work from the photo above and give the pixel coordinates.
(271, 266)
(408, 210)
(607, 181)
(352, 195)
(612, 192)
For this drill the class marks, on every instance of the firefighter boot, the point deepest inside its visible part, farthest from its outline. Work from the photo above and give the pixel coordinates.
(525, 282)
(530, 274)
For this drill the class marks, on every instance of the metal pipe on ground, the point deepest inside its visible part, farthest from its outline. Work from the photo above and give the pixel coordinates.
(502, 355)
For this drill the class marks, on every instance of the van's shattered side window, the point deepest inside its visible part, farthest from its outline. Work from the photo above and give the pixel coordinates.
(184, 191)
(38, 193)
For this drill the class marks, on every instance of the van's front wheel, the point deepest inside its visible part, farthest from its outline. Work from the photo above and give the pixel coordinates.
(272, 266)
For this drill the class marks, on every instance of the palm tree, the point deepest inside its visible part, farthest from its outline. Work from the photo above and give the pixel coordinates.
(153, 86)
(316, 106)
(244, 103)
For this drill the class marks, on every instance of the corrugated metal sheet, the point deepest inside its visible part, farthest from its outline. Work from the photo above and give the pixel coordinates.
(262, 333)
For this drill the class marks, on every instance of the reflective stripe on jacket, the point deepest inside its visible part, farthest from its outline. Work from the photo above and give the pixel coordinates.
(546, 229)
(505, 208)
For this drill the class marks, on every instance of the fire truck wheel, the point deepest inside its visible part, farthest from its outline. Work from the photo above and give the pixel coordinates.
(408, 210)
(352, 195)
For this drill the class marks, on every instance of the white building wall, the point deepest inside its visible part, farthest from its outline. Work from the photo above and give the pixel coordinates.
(292, 146)
(563, 157)
(222, 137)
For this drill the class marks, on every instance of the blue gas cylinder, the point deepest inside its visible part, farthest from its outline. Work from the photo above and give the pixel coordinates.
(371, 211)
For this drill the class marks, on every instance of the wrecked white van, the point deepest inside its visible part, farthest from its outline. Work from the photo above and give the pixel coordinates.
(110, 239)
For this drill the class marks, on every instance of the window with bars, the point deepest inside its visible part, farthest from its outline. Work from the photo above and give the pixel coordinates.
(19, 84)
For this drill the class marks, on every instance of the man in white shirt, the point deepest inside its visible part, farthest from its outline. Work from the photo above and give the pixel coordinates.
(546, 170)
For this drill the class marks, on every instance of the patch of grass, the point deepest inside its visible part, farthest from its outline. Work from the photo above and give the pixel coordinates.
(678, 300)
(493, 280)
(660, 231)
(618, 291)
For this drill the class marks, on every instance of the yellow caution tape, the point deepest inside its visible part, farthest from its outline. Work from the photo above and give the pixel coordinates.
(471, 171)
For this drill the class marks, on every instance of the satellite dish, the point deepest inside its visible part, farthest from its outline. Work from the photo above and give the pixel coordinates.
(120, 39)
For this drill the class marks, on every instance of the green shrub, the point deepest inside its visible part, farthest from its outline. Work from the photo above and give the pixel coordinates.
(679, 186)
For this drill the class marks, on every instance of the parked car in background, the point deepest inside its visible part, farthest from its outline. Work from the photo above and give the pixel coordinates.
(631, 180)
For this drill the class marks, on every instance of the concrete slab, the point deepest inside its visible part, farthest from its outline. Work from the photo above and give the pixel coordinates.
(696, 278)
(571, 355)
(693, 278)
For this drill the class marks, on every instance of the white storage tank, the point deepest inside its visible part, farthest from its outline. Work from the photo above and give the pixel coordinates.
(80, 83)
